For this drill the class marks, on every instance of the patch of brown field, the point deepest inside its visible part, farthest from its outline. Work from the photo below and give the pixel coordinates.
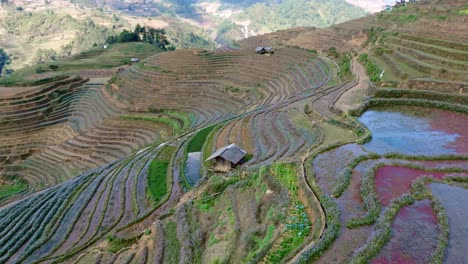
(247, 140)
(38, 76)
(13, 91)
(155, 23)
(97, 73)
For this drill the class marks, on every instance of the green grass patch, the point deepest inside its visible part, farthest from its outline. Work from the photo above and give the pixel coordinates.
(208, 147)
(115, 244)
(212, 241)
(17, 80)
(7, 190)
(261, 244)
(334, 133)
(372, 69)
(157, 180)
(174, 124)
(297, 226)
(158, 175)
(403, 19)
(196, 144)
(172, 243)
(463, 12)
(217, 184)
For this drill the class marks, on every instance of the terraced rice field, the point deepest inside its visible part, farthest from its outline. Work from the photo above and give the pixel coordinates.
(394, 130)
(106, 170)
(366, 184)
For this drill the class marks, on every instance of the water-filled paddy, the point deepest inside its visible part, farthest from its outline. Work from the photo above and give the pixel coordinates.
(454, 200)
(193, 166)
(416, 131)
(393, 181)
(414, 236)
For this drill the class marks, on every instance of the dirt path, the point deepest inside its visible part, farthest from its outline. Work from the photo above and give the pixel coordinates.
(352, 98)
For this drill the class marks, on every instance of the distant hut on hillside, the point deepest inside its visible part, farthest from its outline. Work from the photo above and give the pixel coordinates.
(265, 50)
(134, 60)
(227, 157)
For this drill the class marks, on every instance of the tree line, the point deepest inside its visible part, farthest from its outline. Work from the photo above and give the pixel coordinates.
(154, 36)
(4, 61)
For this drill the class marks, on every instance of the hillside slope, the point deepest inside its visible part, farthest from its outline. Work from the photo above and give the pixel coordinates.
(200, 24)
(344, 163)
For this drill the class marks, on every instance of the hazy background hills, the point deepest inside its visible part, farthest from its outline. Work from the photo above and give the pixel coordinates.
(33, 31)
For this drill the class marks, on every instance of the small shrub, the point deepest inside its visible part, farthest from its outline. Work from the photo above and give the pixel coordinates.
(39, 69)
(248, 157)
(155, 110)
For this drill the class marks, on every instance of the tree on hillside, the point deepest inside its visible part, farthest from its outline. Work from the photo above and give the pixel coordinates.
(149, 35)
(4, 61)
(157, 37)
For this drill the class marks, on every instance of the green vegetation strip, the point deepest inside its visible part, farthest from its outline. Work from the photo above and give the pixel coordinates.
(416, 94)
(172, 243)
(411, 102)
(8, 81)
(158, 175)
(298, 225)
(9, 190)
(174, 124)
(115, 244)
(157, 180)
(345, 178)
(372, 69)
(196, 144)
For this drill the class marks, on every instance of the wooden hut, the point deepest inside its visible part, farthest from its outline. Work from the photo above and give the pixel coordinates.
(227, 157)
(265, 50)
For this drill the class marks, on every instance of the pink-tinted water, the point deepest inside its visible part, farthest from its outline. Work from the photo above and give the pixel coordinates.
(393, 181)
(414, 236)
(452, 123)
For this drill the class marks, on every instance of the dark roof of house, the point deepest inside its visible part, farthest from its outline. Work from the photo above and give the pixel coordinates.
(264, 49)
(230, 153)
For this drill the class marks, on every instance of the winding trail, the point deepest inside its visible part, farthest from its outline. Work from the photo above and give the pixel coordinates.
(353, 97)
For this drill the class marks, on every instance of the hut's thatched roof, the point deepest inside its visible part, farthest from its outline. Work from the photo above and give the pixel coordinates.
(232, 153)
